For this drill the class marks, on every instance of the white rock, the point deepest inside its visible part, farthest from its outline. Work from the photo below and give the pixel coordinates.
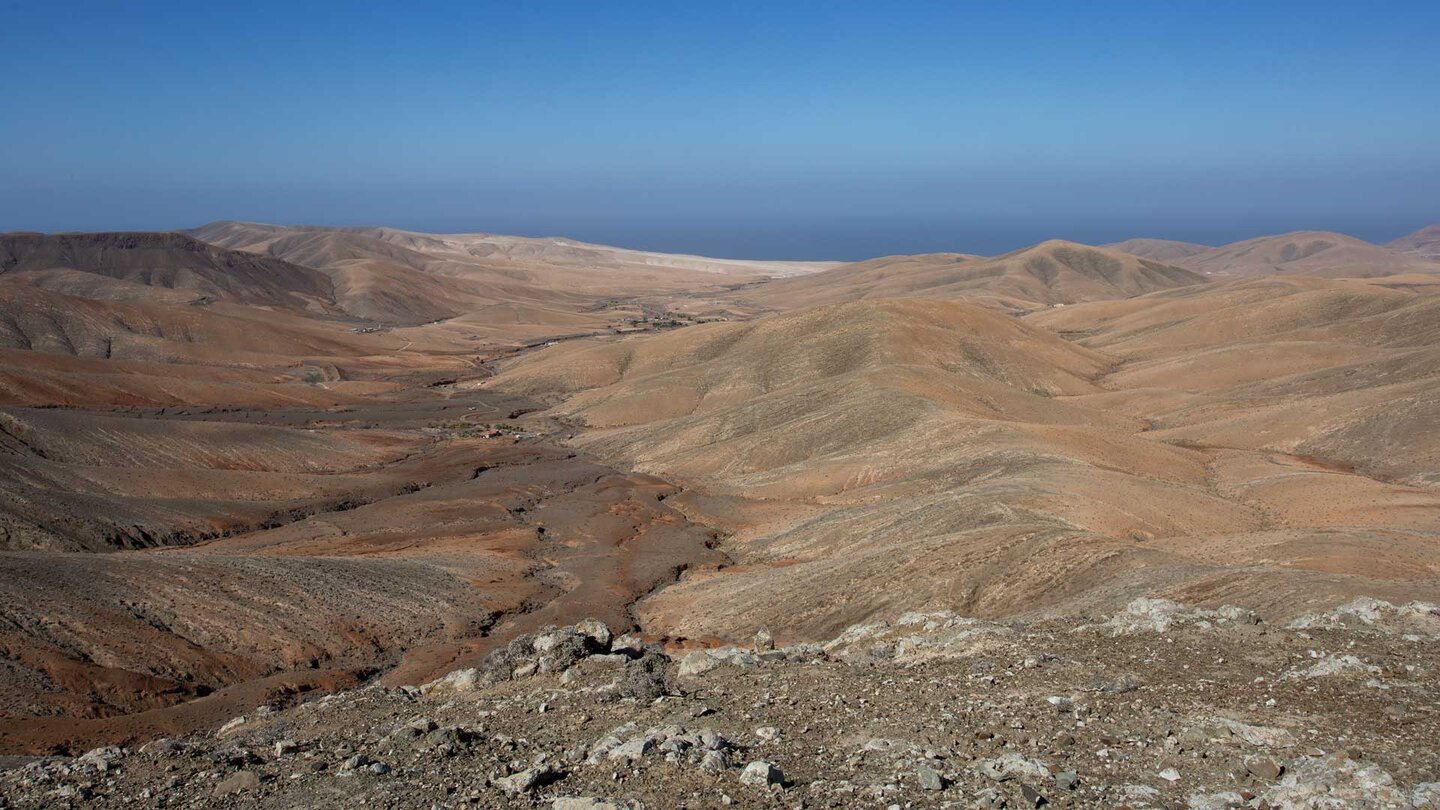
(595, 629)
(1418, 619)
(583, 803)
(1426, 795)
(1335, 781)
(1332, 665)
(632, 750)
(696, 663)
(461, 680)
(1014, 765)
(522, 782)
(1262, 736)
(1147, 614)
(1214, 801)
(762, 774)
(231, 725)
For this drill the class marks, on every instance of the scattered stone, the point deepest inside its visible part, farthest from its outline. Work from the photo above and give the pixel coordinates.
(1418, 619)
(1335, 781)
(1333, 665)
(917, 637)
(1200, 718)
(1147, 614)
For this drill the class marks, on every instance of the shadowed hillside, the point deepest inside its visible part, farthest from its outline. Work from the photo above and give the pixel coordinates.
(165, 261)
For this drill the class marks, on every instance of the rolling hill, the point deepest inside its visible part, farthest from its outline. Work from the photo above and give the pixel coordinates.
(877, 452)
(1311, 253)
(1161, 250)
(1424, 243)
(420, 446)
(130, 265)
(1053, 272)
(404, 277)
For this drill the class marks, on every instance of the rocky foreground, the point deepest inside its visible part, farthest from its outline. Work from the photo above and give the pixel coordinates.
(1158, 706)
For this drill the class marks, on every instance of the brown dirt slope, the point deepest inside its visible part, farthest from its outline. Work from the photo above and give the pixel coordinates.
(169, 261)
(1311, 253)
(1337, 369)
(1053, 272)
(1424, 243)
(406, 277)
(879, 454)
(1161, 250)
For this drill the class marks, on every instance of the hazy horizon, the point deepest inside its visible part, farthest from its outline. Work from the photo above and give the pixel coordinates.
(838, 131)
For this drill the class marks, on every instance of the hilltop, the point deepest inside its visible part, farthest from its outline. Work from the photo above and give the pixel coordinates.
(1424, 243)
(1312, 253)
(1053, 272)
(1161, 250)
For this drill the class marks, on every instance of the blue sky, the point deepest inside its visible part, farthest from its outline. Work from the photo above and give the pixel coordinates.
(784, 129)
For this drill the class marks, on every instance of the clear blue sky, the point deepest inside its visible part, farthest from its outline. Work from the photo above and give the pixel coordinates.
(786, 129)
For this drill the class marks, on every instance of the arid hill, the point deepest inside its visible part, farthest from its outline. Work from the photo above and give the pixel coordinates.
(1054, 272)
(117, 263)
(1424, 243)
(549, 252)
(1311, 253)
(384, 282)
(1161, 250)
(317, 458)
(932, 449)
(159, 395)
(1338, 370)
(550, 285)
(558, 252)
